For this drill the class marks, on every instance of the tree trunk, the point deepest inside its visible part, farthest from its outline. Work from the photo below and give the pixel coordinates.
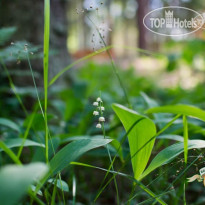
(28, 17)
(141, 12)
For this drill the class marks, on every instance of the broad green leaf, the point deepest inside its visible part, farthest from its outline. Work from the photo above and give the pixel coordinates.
(10, 124)
(142, 132)
(69, 153)
(187, 110)
(170, 153)
(73, 151)
(159, 118)
(62, 185)
(15, 181)
(53, 144)
(10, 143)
(115, 143)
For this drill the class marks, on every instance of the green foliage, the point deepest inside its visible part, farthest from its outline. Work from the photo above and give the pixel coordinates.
(142, 132)
(188, 110)
(169, 153)
(15, 181)
(73, 151)
(10, 124)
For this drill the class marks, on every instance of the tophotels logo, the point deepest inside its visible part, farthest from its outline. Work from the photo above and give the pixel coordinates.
(170, 22)
(173, 21)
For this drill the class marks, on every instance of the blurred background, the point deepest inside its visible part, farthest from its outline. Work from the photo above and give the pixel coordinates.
(166, 68)
(180, 60)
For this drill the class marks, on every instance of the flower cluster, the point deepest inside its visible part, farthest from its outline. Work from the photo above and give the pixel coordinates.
(99, 111)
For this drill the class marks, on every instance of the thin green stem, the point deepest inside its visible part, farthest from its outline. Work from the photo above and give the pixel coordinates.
(45, 65)
(10, 153)
(185, 124)
(13, 87)
(39, 101)
(108, 151)
(26, 134)
(112, 63)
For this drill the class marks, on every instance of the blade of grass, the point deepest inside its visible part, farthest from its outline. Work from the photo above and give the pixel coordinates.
(59, 175)
(78, 61)
(112, 63)
(185, 138)
(142, 186)
(45, 67)
(13, 87)
(105, 49)
(121, 143)
(10, 153)
(26, 133)
(108, 151)
(182, 173)
(54, 193)
(185, 124)
(38, 98)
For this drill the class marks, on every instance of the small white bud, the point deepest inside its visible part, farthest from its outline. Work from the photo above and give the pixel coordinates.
(101, 119)
(95, 113)
(98, 125)
(95, 103)
(102, 108)
(99, 99)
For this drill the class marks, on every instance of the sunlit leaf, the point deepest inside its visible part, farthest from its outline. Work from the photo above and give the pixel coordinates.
(187, 110)
(142, 132)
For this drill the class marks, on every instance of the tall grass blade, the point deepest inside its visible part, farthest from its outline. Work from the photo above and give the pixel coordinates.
(13, 87)
(78, 61)
(45, 67)
(9, 153)
(185, 123)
